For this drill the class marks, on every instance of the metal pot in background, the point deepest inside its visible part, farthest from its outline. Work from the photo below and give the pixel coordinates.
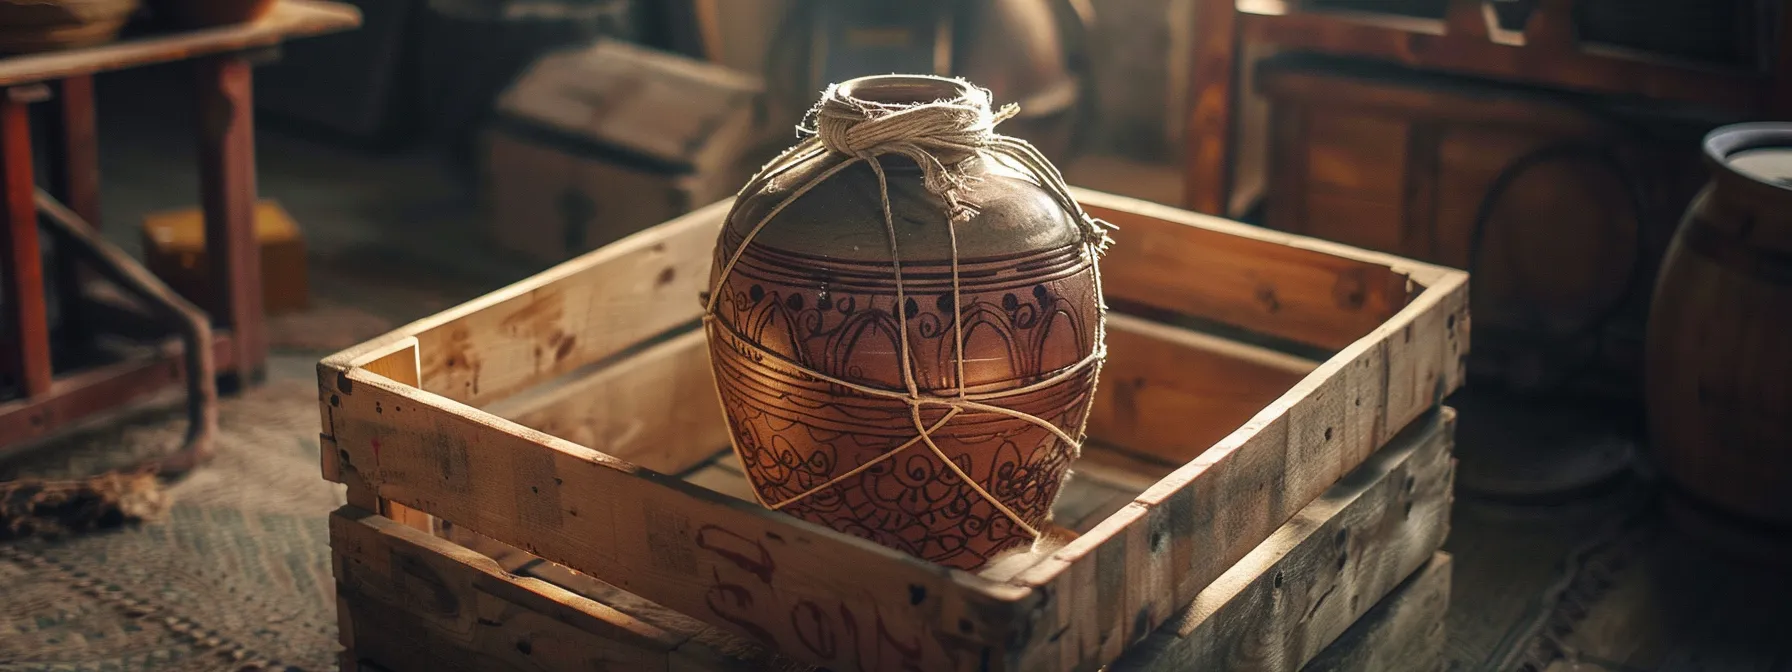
(1029, 52)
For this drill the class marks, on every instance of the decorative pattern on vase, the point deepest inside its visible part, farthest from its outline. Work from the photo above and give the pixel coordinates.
(854, 462)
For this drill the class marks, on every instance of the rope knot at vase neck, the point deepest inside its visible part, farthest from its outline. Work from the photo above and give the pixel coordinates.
(935, 121)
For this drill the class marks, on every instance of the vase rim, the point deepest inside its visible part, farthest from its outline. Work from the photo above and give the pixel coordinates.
(908, 89)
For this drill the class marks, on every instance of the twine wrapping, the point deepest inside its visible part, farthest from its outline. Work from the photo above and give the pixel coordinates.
(939, 137)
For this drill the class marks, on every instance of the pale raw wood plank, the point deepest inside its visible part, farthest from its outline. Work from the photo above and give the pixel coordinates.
(1184, 532)
(420, 603)
(655, 536)
(730, 482)
(705, 647)
(1395, 509)
(1272, 283)
(653, 408)
(1403, 633)
(572, 315)
(1171, 393)
(403, 366)
(1301, 589)
(604, 302)
(656, 408)
(1099, 485)
(1121, 467)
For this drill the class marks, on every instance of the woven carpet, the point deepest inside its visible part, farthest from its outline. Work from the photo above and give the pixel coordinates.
(236, 574)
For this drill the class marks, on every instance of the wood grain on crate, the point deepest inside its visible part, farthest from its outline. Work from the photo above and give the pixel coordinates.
(1401, 325)
(1403, 633)
(288, 19)
(1303, 587)
(1276, 610)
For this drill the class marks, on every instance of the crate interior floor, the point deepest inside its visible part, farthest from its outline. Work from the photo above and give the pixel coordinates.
(1102, 481)
(395, 235)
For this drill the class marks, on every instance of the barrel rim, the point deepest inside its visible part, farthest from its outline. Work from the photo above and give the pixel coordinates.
(1726, 141)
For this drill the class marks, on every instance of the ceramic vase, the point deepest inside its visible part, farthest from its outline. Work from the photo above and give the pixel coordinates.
(815, 291)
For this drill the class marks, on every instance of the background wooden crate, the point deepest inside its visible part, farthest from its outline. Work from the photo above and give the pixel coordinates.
(1217, 441)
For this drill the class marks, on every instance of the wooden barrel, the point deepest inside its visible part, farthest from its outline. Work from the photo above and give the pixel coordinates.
(1719, 350)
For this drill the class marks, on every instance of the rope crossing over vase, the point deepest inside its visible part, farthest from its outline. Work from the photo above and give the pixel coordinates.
(905, 323)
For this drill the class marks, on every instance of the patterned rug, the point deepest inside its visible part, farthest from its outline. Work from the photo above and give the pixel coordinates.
(235, 576)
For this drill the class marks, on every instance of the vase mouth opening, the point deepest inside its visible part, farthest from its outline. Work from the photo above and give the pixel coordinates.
(909, 90)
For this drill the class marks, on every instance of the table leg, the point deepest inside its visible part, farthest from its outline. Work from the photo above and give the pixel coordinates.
(74, 178)
(1207, 169)
(27, 328)
(228, 194)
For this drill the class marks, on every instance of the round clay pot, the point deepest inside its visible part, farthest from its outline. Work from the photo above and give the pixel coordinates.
(212, 13)
(28, 26)
(814, 290)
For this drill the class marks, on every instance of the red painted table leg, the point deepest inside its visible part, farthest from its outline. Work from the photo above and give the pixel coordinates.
(228, 194)
(74, 179)
(26, 325)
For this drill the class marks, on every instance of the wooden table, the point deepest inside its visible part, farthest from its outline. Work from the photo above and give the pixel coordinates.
(222, 59)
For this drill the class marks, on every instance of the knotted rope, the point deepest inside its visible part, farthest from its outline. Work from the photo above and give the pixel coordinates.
(939, 136)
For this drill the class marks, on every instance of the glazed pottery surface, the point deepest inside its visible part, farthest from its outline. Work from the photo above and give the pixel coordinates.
(815, 290)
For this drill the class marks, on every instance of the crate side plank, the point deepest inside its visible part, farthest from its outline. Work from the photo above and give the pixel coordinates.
(652, 408)
(414, 601)
(732, 563)
(1171, 393)
(1242, 276)
(1103, 204)
(1385, 541)
(608, 300)
(706, 647)
(1300, 590)
(567, 317)
(656, 409)
(1403, 633)
(1222, 504)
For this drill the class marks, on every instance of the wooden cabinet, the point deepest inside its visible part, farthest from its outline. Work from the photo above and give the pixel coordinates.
(1560, 208)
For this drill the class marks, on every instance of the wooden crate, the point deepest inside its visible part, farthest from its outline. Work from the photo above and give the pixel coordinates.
(560, 418)
(591, 144)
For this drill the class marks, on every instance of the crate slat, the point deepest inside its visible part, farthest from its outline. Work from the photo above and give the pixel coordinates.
(1181, 534)
(1208, 385)
(579, 312)
(693, 550)
(411, 598)
(1300, 590)
(1295, 288)
(1244, 620)
(1403, 633)
(648, 409)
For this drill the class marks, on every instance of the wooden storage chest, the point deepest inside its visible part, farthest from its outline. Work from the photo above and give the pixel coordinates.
(1561, 207)
(539, 479)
